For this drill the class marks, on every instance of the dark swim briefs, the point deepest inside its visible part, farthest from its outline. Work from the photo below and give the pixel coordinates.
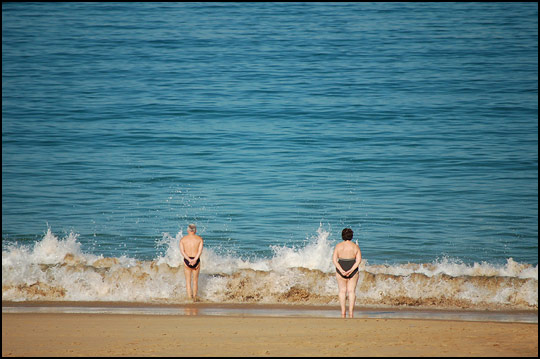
(347, 264)
(192, 266)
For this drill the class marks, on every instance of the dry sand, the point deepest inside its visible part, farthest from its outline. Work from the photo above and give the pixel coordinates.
(68, 334)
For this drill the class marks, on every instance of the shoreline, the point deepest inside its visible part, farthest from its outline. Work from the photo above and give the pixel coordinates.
(264, 310)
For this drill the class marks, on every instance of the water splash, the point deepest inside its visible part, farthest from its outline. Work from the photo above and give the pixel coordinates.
(57, 269)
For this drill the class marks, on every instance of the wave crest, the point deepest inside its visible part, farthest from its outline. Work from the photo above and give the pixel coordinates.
(57, 270)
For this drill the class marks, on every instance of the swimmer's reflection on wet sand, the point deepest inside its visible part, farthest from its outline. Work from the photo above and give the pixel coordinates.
(191, 311)
(229, 309)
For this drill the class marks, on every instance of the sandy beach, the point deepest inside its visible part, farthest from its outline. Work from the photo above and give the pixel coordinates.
(193, 334)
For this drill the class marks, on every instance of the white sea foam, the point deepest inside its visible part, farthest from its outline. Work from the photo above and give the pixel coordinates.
(57, 269)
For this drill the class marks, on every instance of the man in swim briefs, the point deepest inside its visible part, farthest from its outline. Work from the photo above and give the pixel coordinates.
(346, 258)
(191, 246)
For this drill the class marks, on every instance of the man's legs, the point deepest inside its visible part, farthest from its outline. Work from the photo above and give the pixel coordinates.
(187, 274)
(196, 281)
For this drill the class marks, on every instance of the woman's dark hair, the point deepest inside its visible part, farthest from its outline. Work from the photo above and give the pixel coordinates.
(347, 234)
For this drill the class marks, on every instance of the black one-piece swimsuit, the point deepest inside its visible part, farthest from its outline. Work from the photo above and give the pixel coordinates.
(347, 264)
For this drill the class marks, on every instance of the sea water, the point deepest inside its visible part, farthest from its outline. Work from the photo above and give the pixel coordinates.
(272, 126)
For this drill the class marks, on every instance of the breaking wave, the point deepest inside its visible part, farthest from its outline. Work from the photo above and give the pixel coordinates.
(57, 270)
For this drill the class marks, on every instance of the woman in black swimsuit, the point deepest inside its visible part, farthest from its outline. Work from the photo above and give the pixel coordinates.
(347, 258)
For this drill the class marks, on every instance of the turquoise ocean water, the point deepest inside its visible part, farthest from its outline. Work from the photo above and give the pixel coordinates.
(272, 126)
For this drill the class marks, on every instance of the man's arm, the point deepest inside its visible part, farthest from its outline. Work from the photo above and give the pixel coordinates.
(199, 251)
(182, 251)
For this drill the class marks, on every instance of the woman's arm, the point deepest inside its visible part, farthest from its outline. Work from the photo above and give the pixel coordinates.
(335, 261)
(358, 259)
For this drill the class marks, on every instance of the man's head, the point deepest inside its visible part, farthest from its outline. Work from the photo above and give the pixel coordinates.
(192, 228)
(347, 234)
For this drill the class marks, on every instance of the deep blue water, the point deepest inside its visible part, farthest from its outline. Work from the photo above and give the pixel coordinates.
(415, 124)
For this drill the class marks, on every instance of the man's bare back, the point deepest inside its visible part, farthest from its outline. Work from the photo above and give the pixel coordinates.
(191, 246)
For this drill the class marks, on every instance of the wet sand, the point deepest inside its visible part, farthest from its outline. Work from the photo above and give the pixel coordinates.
(253, 331)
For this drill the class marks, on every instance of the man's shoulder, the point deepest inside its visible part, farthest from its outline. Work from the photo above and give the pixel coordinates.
(192, 238)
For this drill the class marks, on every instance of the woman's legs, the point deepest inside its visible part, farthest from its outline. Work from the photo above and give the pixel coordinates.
(351, 291)
(342, 293)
